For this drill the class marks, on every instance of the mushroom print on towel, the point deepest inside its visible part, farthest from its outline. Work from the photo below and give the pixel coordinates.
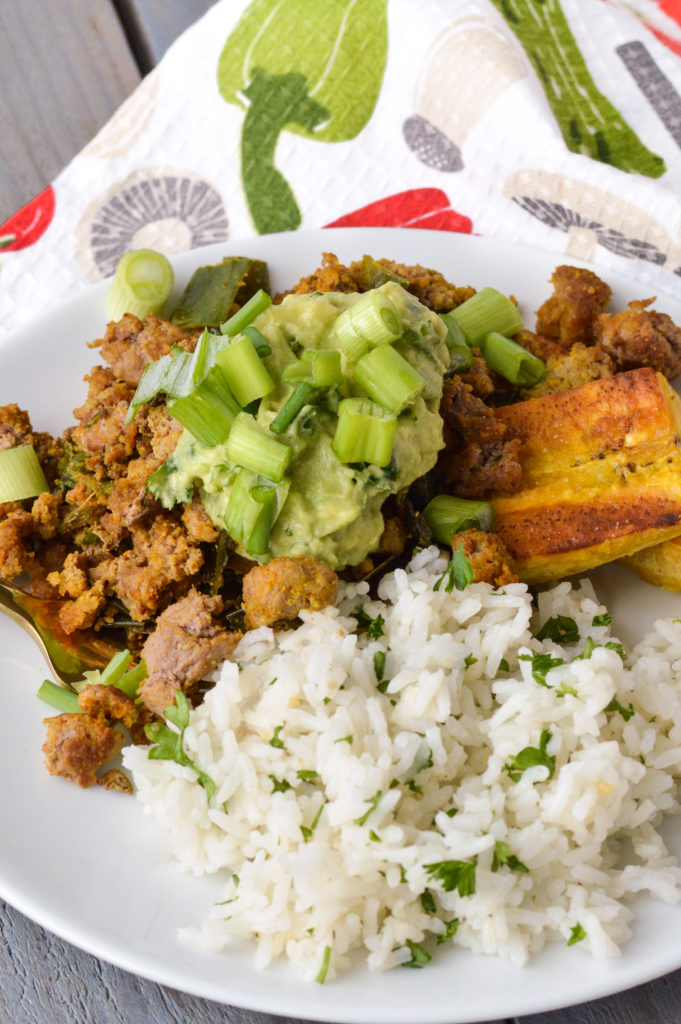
(472, 61)
(654, 84)
(163, 209)
(325, 92)
(588, 121)
(129, 123)
(591, 216)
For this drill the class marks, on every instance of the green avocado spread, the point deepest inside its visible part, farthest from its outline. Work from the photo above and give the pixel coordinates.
(326, 509)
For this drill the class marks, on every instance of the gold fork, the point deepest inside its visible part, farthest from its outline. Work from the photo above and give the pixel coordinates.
(67, 654)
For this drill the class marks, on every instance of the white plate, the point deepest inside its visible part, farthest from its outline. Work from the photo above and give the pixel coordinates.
(87, 865)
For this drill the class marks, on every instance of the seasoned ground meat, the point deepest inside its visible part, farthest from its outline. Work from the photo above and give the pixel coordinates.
(146, 576)
(15, 427)
(45, 514)
(115, 779)
(72, 579)
(570, 314)
(481, 454)
(187, 644)
(479, 377)
(542, 348)
(78, 744)
(570, 369)
(82, 613)
(641, 337)
(16, 547)
(429, 286)
(96, 699)
(101, 430)
(284, 587)
(488, 556)
(197, 523)
(129, 344)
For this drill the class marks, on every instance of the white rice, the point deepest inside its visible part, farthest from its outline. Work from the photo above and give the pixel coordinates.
(321, 865)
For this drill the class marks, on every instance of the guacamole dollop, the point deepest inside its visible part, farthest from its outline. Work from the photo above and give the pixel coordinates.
(327, 509)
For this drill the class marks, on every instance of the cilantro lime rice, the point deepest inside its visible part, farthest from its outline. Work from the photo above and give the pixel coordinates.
(430, 769)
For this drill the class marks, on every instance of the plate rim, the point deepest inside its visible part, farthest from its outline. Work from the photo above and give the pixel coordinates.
(271, 1002)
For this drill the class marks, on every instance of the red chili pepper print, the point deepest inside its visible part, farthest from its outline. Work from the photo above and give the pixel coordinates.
(27, 225)
(415, 208)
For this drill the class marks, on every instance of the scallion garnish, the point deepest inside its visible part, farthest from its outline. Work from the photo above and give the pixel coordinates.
(291, 407)
(460, 356)
(258, 340)
(256, 305)
(512, 361)
(321, 367)
(388, 378)
(209, 411)
(21, 475)
(447, 515)
(487, 310)
(372, 320)
(246, 374)
(325, 366)
(248, 445)
(258, 542)
(58, 697)
(365, 432)
(141, 284)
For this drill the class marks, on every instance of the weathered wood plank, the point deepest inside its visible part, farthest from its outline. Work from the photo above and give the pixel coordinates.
(658, 1002)
(53, 982)
(66, 67)
(152, 25)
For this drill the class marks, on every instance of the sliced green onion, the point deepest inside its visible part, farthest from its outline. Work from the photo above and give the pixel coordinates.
(511, 360)
(150, 385)
(258, 542)
(487, 310)
(460, 356)
(130, 682)
(256, 305)
(373, 320)
(321, 367)
(297, 370)
(246, 374)
(455, 333)
(258, 340)
(291, 407)
(115, 670)
(141, 284)
(209, 411)
(58, 697)
(447, 515)
(252, 510)
(325, 365)
(365, 432)
(461, 359)
(388, 378)
(21, 475)
(242, 510)
(249, 446)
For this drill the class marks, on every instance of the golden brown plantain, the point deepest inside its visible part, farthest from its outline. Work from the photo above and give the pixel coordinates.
(601, 475)
(660, 564)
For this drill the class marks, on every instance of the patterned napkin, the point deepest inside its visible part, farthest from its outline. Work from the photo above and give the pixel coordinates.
(552, 124)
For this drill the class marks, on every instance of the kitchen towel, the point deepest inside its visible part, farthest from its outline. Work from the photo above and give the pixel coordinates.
(554, 124)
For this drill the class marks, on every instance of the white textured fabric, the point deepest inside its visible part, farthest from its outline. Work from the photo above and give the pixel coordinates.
(554, 125)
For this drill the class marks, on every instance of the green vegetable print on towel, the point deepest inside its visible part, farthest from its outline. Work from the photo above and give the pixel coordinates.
(589, 122)
(313, 68)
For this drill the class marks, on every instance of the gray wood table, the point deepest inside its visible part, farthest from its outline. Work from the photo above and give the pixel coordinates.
(66, 66)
